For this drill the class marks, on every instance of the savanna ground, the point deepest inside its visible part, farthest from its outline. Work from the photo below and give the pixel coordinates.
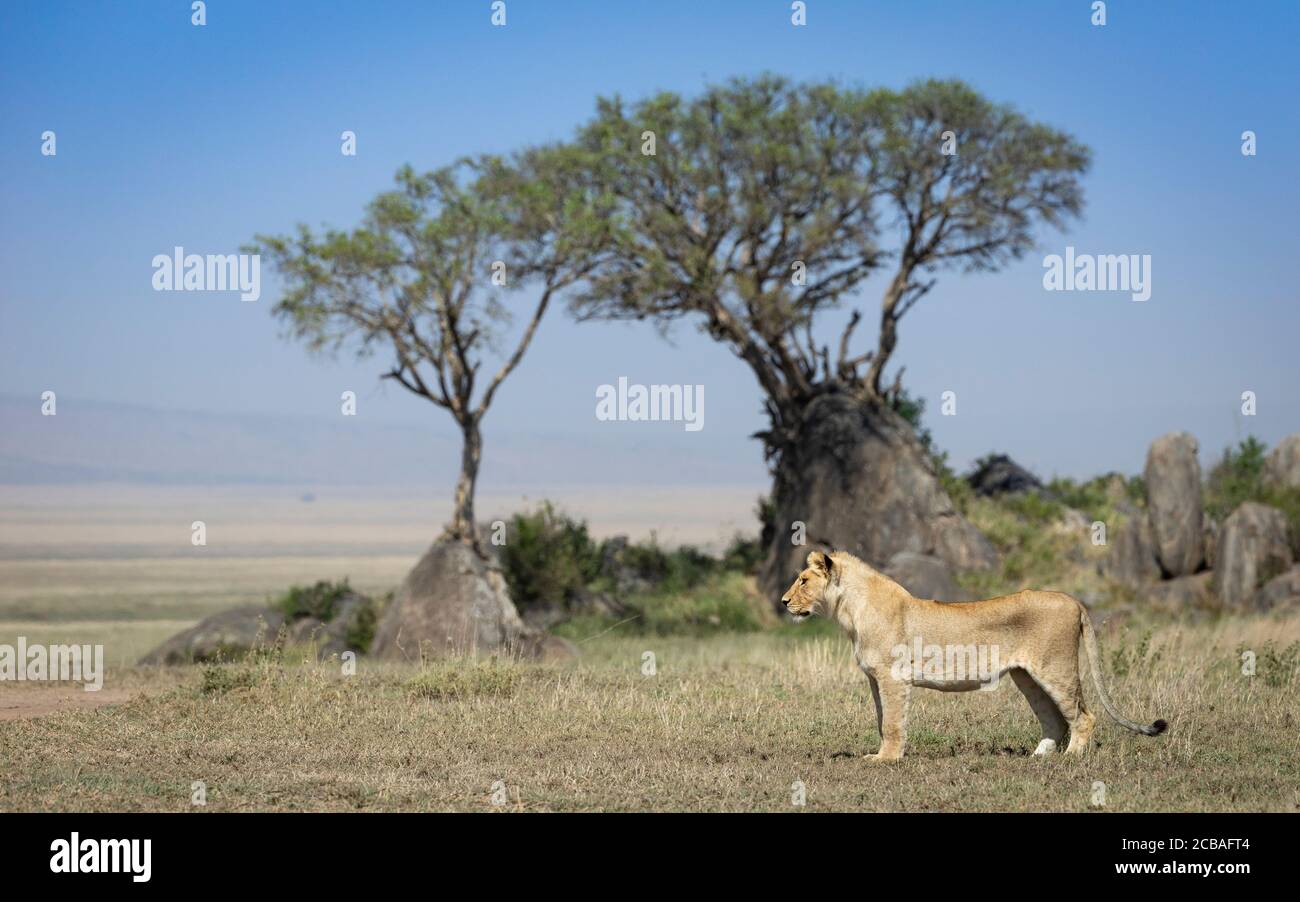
(740, 711)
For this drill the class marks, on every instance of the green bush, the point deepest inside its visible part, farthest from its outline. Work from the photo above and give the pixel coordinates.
(670, 571)
(744, 555)
(312, 601)
(548, 556)
(361, 632)
(1239, 477)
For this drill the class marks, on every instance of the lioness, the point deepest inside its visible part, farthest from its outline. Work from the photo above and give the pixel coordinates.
(900, 642)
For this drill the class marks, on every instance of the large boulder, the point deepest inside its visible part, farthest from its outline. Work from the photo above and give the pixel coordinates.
(1173, 483)
(1180, 593)
(998, 474)
(454, 601)
(223, 636)
(1131, 549)
(925, 576)
(1282, 466)
(1280, 591)
(1253, 549)
(855, 474)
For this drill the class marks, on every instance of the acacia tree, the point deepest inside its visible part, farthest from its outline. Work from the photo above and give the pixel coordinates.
(763, 203)
(421, 280)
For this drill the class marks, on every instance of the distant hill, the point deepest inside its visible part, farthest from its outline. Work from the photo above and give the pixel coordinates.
(97, 441)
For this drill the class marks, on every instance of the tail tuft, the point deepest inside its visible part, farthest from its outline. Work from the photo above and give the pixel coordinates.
(1157, 728)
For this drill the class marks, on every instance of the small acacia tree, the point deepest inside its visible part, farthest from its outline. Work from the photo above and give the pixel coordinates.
(761, 203)
(423, 277)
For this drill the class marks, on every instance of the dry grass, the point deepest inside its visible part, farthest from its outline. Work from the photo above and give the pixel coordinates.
(727, 722)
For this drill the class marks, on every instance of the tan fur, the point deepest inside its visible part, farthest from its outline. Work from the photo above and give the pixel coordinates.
(1033, 636)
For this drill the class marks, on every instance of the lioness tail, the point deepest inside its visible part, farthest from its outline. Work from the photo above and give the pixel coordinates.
(1094, 659)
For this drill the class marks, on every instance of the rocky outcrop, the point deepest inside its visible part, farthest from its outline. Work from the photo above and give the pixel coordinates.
(855, 475)
(1180, 593)
(347, 625)
(998, 474)
(1253, 549)
(1280, 591)
(1282, 466)
(925, 577)
(1131, 555)
(225, 636)
(1173, 485)
(454, 601)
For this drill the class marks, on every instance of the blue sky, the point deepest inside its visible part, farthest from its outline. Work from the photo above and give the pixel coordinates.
(170, 134)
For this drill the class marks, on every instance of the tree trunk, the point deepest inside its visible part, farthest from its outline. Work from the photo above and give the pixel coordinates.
(462, 524)
(859, 481)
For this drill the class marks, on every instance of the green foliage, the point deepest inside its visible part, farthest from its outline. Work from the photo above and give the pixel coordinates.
(361, 632)
(1277, 668)
(312, 601)
(1033, 507)
(1238, 477)
(1125, 660)
(670, 570)
(744, 555)
(1031, 554)
(756, 173)
(722, 602)
(549, 556)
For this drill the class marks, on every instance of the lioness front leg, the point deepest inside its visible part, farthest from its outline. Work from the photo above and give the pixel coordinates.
(891, 699)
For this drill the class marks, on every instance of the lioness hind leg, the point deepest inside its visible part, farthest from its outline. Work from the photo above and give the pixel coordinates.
(1044, 708)
(1081, 724)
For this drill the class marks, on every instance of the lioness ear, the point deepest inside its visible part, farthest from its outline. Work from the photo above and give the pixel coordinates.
(819, 561)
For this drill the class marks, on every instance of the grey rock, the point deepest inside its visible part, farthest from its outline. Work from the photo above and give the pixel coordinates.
(1280, 591)
(223, 636)
(1210, 540)
(1173, 483)
(859, 479)
(1282, 466)
(1181, 592)
(998, 474)
(452, 602)
(960, 543)
(1131, 551)
(1253, 549)
(925, 577)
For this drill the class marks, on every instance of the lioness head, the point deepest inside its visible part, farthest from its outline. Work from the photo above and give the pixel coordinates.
(802, 598)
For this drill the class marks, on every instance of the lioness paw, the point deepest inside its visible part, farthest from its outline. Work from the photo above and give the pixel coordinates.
(880, 756)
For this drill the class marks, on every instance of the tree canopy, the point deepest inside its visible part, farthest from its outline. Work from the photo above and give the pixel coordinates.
(424, 277)
(762, 202)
